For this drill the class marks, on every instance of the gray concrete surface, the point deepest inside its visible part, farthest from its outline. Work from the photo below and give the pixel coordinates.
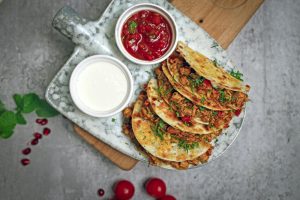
(263, 163)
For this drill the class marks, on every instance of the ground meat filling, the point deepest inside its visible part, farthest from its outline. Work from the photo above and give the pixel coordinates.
(149, 115)
(202, 86)
(185, 109)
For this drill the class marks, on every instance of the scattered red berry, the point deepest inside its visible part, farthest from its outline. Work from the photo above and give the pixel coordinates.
(35, 141)
(38, 121)
(124, 190)
(101, 192)
(46, 131)
(37, 135)
(26, 151)
(156, 187)
(167, 197)
(25, 161)
(44, 122)
(238, 112)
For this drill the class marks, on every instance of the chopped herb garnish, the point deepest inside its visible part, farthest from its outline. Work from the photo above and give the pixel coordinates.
(222, 97)
(177, 114)
(187, 146)
(113, 119)
(216, 140)
(215, 113)
(237, 74)
(194, 83)
(201, 108)
(168, 91)
(202, 99)
(159, 129)
(215, 62)
(215, 44)
(132, 27)
(160, 90)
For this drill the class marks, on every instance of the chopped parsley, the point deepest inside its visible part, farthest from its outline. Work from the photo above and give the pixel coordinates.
(132, 27)
(160, 90)
(177, 114)
(159, 128)
(201, 108)
(203, 99)
(166, 92)
(215, 62)
(222, 97)
(215, 113)
(187, 146)
(113, 119)
(238, 75)
(196, 82)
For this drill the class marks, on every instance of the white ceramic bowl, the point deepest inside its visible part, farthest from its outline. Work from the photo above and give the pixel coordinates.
(87, 62)
(152, 7)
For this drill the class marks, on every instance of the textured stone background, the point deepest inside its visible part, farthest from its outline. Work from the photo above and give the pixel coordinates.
(263, 163)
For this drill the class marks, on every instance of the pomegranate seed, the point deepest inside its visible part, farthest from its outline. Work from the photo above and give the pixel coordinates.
(38, 121)
(44, 122)
(37, 136)
(35, 141)
(101, 192)
(46, 131)
(25, 161)
(26, 151)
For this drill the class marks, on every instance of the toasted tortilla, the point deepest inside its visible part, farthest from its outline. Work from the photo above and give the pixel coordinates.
(166, 148)
(167, 114)
(171, 72)
(206, 68)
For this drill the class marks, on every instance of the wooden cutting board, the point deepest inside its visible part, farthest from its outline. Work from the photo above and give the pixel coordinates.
(222, 19)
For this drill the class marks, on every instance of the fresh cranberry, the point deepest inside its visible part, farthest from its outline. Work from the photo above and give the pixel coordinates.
(167, 197)
(101, 192)
(46, 131)
(156, 187)
(25, 161)
(207, 83)
(238, 112)
(44, 122)
(35, 141)
(124, 190)
(38, 121)
(186, 119)
(26, 151)
(37, 135)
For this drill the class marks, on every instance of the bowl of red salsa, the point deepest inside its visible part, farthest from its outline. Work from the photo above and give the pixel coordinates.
(146, 34)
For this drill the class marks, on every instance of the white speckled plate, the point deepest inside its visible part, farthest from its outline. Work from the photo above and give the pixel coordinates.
(97, 37)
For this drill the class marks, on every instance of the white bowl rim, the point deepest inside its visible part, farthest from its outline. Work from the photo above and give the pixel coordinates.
(83, 64)
(131, 10)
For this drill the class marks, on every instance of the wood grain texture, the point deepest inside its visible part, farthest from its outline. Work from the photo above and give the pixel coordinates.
(222, 19)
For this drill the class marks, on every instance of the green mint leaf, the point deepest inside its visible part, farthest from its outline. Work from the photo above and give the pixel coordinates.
(7, 124)
(18, 101)
(2, 107)
(30, 102)
(132, 27)
(45, 110)
(20, 118)
(6, 132)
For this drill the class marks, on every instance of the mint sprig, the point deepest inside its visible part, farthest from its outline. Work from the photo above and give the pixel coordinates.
(25, 104)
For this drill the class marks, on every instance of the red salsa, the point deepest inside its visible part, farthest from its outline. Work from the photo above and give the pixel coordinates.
(146, 35)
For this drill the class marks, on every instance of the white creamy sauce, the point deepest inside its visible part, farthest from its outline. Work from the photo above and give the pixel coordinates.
(102, 86)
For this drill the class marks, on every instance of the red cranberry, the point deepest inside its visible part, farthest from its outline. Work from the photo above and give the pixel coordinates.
(26, 151)
(38, 121)
(37, 136)
(101, 192)
(44, 122)
(46, 131)
(35, 141)
(25, 161)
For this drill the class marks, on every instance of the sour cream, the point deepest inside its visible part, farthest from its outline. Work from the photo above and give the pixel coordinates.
(101, 87)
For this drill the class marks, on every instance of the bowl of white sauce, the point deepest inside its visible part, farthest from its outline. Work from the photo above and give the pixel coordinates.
(101, 86)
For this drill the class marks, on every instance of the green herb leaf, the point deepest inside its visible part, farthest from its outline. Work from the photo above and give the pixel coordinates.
(20, 118)
(158, 129)
(2, 107)
(238, 75)
(113, 119)
(203, 99)
(18, 101)
(222, 97)
(187, 146)
(214, 113)
(30, 102)
(7, 124)
(132, 27)
(45, 110)
(201, 108)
